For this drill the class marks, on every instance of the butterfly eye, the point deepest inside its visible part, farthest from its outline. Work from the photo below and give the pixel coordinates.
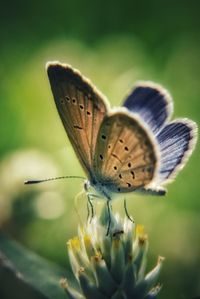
(101, 157)
(120, 176)
(129, 185)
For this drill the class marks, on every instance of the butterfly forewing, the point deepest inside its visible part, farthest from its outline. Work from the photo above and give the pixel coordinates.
(125, 153)
(81, 108)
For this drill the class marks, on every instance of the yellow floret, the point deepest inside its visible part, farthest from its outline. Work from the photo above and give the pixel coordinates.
(74, 243)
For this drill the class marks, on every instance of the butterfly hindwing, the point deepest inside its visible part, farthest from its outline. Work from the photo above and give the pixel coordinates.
(176, 141)
(81, 108)
(125, 153)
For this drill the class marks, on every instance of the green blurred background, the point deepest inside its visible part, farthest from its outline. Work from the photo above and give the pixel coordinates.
(114, 44)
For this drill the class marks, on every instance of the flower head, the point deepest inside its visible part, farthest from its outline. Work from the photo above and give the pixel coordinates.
(111, 266)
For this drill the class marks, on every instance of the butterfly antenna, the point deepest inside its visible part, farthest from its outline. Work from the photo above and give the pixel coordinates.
(30, 182)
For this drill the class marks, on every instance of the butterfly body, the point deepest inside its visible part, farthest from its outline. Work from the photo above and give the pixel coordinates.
(134, 148)
(103, 188)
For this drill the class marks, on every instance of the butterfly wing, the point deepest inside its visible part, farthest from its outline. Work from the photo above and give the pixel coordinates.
(152, 103)
(81, 108)
(177, 141)
(126, 155)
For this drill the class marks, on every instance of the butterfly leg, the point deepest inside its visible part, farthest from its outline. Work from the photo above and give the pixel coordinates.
(126, 211)
(76, 204)
(88, 211)
(90, 205)
(109, 217)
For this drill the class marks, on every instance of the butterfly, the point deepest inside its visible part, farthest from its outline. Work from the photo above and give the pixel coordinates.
(133, 148)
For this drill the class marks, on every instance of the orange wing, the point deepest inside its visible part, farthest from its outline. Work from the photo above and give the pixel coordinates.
(125, 153)
(81, 108)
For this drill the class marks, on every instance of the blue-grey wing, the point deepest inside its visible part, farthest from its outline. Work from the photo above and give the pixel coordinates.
(153, 104)
(176, 141)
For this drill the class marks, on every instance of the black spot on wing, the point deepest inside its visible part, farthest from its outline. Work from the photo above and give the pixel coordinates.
(78, 127)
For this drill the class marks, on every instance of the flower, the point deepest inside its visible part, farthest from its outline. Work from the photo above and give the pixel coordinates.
(111, 266)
